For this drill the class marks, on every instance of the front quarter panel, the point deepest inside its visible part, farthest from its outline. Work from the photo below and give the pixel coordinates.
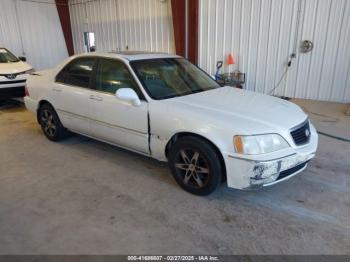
(167, 120)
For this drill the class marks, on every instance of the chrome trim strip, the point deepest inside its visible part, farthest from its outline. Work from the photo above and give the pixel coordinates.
(300, 125)
(16, 74)
(22, 81)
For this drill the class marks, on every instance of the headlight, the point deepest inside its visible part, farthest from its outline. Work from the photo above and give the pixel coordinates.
(259, 144)
(30, 71)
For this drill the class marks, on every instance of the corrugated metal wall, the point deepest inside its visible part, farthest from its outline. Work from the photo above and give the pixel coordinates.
(9, 28)
(261, 34)
(138, 24)
(32, 29)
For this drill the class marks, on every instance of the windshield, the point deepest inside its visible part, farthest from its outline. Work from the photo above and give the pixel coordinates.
(7, 57)
(172, 77)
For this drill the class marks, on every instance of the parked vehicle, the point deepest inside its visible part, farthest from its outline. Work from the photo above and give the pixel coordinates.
(164, 107)
(13, 74)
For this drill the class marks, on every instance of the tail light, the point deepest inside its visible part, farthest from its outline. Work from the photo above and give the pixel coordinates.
(26, 92)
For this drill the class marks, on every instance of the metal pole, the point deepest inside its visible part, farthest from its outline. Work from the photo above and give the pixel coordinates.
(19, 28)
(186, 28)
(297, 29)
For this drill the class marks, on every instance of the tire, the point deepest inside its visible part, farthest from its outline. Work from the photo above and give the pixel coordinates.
(195, 166)
(51, 124)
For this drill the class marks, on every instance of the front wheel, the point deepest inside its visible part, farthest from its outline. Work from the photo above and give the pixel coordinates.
(195, 165)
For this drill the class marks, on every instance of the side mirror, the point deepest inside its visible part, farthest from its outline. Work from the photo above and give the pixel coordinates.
(22, 58)
(128, 95)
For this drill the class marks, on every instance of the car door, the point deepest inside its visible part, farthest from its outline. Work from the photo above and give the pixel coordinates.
(71, 92)
(111, 119)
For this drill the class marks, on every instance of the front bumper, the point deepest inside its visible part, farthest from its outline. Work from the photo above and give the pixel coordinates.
(249, 173)
(12, 88)
(12, 92)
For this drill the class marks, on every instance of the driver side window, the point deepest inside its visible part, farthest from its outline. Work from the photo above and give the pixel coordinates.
(112, 75)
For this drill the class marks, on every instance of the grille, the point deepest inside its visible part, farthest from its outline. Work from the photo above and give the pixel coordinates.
(9, 76)
(301, 135)
(12, 82)
(291, 171)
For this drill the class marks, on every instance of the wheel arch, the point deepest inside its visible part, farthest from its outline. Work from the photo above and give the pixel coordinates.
(179, 135)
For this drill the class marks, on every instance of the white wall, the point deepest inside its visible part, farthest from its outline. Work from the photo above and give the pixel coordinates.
(260, 34)
(144, 25)
(32, 29)
(9, 28)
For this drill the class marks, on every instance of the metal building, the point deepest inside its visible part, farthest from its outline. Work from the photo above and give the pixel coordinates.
(32, 29)
(263, 34)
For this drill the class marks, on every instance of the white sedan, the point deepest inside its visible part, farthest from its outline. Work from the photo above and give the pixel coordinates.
(164, 107)
(13, 74)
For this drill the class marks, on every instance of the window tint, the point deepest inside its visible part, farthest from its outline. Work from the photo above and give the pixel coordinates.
(169, 77)
(77, 73)
(61, 76)
(112, 75)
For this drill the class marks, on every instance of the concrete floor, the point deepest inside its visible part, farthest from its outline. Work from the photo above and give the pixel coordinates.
(85, 197)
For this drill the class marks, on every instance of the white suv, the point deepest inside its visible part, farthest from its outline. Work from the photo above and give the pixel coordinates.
(13, 74)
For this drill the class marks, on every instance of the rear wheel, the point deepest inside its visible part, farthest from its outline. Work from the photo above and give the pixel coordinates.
(195, 165)
(51, 124)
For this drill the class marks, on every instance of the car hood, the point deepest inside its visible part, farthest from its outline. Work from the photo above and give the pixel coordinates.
(232, 104)
(14, 68)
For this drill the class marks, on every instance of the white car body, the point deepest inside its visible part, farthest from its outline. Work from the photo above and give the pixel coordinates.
(13, 76)
(216, 115)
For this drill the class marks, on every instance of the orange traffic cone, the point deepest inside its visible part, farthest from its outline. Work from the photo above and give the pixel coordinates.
(230, 60)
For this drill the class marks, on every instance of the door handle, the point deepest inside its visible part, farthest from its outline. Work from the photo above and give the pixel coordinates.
(56, 89)
(96, 98)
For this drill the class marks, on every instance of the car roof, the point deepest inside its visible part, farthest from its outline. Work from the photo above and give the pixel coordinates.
(131, 55)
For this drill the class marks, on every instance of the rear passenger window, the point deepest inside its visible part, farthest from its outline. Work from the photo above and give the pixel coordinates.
(77, 73)
(61, 76)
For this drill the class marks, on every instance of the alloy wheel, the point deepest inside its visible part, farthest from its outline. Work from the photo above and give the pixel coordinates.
(48, 121)
(192, 168)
